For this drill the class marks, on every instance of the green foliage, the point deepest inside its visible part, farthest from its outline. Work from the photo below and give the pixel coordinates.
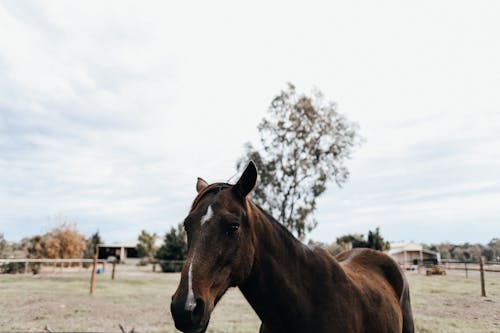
(91, 243)
(12, 268)
(146, 246)
(173, 248)
(3, 246)
(352, 240)
(374, 241)
(304, 143)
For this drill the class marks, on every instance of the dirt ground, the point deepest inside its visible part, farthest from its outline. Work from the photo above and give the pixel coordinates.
(139, 299)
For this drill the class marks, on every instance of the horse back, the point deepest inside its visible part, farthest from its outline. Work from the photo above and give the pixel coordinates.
(383, 287)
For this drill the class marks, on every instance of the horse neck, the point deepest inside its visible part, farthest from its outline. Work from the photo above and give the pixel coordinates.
(284, 270)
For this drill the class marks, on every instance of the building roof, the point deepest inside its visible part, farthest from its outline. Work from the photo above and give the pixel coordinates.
(408, 247)
(128, 245)
(405, 246)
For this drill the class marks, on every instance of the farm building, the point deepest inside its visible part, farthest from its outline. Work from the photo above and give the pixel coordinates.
(122, 252)
(407, 253)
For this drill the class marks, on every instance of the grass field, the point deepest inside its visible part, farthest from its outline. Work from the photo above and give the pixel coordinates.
(141, 299)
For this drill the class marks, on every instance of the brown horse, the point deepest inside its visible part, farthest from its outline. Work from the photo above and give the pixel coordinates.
(292, 288)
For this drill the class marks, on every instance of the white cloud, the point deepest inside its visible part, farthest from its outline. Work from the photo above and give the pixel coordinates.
(108, 111)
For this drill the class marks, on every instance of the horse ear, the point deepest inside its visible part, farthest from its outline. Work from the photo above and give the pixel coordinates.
(247, 181)
(200, 184)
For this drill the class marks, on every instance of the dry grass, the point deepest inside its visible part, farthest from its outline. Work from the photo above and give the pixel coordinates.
(134, 299)
(452, 303)
(140, 300)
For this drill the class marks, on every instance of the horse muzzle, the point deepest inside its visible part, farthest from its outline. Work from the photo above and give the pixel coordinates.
(192, 319)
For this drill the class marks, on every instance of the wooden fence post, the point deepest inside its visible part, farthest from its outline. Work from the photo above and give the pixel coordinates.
(481, 268)
(466, 272)
(92, 277)
(26, 267)
(113, 270)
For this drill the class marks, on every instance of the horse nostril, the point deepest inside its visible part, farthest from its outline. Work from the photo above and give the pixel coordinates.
(198, 311)
(188, 318)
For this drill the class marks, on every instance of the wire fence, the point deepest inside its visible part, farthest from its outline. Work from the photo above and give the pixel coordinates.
(29, 265)
(488, 266)
(45, 265)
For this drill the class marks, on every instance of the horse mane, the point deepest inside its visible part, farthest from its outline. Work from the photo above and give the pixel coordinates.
(290, 241)
(212, 188)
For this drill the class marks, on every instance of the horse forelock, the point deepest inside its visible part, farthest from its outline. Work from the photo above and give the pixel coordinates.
(212, 188)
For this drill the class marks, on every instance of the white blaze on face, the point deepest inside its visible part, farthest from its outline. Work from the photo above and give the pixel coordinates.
(208, 215)
(190, 302)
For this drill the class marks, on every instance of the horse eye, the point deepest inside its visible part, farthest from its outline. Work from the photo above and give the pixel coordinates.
(232, 228)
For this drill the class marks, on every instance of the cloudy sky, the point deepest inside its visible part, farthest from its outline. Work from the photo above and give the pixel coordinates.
(110, 110)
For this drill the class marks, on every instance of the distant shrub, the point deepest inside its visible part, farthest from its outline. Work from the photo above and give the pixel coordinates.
(144, 262)
(333, 248)
(12, 268)
(19, 267)
(173, 248)
(171, 267)
(63, 241)
(374, 241)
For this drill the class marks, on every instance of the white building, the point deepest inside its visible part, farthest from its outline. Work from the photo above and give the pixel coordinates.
(408, 253)
(123, 252)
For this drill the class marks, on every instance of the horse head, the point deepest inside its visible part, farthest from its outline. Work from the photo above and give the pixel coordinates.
(220, 249)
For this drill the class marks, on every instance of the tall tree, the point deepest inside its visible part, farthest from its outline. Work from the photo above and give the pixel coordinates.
(376, 241)
(173, 248)
(304, 144)
(91, 243)
(146, 246)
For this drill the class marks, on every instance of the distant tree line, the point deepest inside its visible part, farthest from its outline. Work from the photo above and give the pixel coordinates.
(173, 248)
(373, 240)
(65, 241)
(467, 251)
(62, 242)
